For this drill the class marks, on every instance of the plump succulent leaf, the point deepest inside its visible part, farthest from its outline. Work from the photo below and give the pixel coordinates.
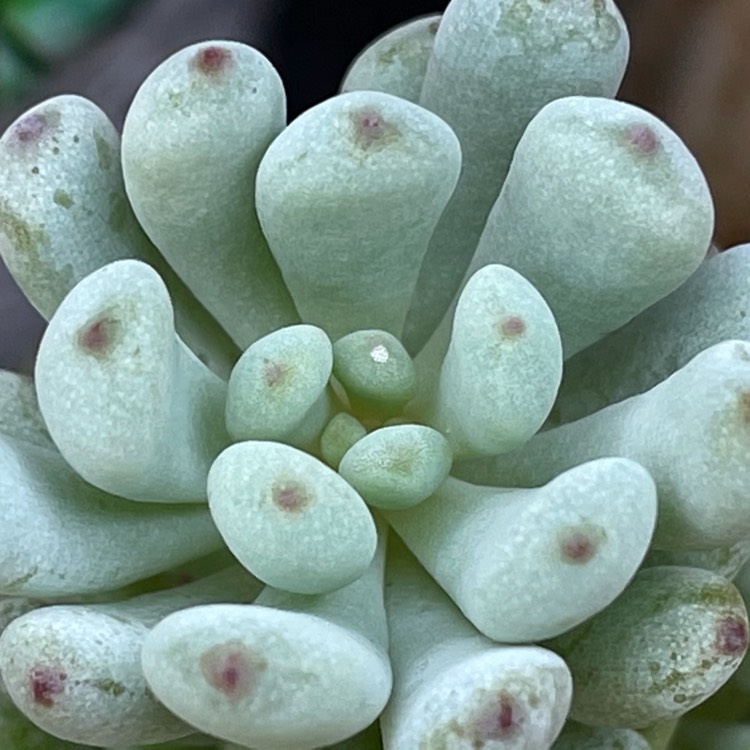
(672, 639)
(479, 80)
(128, 405)
(510, 558)
(690, 432)
(193, 137)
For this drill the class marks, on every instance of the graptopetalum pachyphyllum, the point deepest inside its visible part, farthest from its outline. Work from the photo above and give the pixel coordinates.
(419, 423)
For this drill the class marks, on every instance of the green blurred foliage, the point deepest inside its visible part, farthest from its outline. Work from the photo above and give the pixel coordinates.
(16, 75)
(35, 34)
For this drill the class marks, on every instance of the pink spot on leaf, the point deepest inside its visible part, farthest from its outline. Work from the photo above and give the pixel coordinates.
(578, 544)
(371, 123)
(731, 637)
(30, 128)
(45, 683)
(512, 326)
(212, 60)
(371, 129)
(291, 496)
(98, 338)
(504, 718)
(498, 721)
(642, 138)
(273, 372)
(232, 669)
(578, 548)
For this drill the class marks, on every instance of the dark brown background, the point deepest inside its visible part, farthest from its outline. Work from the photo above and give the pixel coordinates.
(690, 65)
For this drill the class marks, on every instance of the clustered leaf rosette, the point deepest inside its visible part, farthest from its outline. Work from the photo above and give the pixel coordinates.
(418, 423)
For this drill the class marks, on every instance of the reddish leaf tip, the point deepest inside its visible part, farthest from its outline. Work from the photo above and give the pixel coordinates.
(643, 138)
(498, 721)
(512, 326)
(290, 496)
(212, 60)
(30, 128)
(45, 683)
(273, 372)
(731, 636)
(232, 669)
(579, 544)
(371, 129)
(98, 338)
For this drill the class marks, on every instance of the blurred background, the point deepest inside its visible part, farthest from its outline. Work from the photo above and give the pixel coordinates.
(690, 65)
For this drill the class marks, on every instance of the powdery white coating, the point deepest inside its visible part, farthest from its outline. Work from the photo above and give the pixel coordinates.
(276, 383)
(455, 689)
(56, 538)
(264, 677)
(357, 607)
(725, 561)
(89, 699)
(375, 370)
(352, 190)
(648, 215)
(487, 701)
(340, 434)
(493, 67)
(192, 140)
(580, 737)
(290, 519)
(131, 409)
(19, 410)
(666, 644)
(692, 433)
(12, 607)
(395, 62)
(75, 670)
(510, 558)
(64, 214)
(63, 211)
(711, 306)
(502, 367)
(398, 466)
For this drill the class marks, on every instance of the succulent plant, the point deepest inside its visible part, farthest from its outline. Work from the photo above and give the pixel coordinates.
(427, 407)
